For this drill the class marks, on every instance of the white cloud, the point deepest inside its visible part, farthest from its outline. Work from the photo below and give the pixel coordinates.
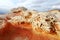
(56, 6)
(31, 4)
(6, 4)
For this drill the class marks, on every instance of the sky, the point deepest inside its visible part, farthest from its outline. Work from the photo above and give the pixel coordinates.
(39, 5)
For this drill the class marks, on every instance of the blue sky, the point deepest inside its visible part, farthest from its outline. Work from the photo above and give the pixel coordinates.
(40, 5)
